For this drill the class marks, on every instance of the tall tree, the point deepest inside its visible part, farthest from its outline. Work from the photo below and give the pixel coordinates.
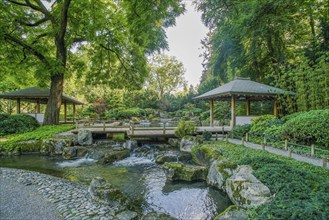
(166, 75)
(117, 36)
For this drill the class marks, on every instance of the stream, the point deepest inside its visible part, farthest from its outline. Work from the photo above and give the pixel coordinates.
(139, 177)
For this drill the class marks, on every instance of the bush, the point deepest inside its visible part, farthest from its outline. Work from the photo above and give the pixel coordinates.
(261, 123)
(242, 129)
(185, 128)
(18, 124)
(308, 128)
(3, 117)
(126, 113)
(206, 135)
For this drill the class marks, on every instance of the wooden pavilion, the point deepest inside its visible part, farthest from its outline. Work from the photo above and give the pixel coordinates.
(242, 89)
(39, 96)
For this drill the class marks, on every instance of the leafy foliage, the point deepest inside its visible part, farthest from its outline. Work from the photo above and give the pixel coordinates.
(301, 189)
(206, 135)
(261, 123)
(41, 133)
(17, 124)
(185, 128)
(242, 129)
(308, 128)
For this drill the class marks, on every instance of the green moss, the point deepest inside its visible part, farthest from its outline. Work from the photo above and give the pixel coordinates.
(204, 155)
(41, 133)
(224, 165)
(185, 172)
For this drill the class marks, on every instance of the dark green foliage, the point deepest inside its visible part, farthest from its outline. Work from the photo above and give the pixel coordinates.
(3, 117)
(308, 128)
(129, 113)
(41, 133)
(18, 124)
(206, 135)
(242, 129)
(301, 190)
(261, 123)
(185, 128)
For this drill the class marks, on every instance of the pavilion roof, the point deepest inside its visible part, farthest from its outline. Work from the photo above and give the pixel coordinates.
(243, 87)
(35, 94)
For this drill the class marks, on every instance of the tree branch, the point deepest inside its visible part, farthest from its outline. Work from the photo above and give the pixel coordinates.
(116, 54)
(37, 23)
(24, 45)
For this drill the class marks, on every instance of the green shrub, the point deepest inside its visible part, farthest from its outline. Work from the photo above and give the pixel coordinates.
(206, 135)
(185, 128)
(3, 117)
(308, 128)
(41, 133)
(15, 124)
(242, 129)
(301, 190)
(121, 113)
(261, 123)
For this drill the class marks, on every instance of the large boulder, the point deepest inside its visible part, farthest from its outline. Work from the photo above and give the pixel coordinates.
(67, 135)
(156, 216)
(173, 156)
(54, 147)
(187, 143)
(85, 137)
(73, 152)
(174, 142)
(114, 155)
(219, 171)
(233, 212)
(186, 172)
(205, 155)
(105, 193)
(245, 190)
(127, 215)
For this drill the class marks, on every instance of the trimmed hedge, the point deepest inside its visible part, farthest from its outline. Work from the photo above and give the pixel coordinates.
(301, 190)
(14, 124)
(310, 127)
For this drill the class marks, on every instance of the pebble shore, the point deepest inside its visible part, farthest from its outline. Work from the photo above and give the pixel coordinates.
(71, 200)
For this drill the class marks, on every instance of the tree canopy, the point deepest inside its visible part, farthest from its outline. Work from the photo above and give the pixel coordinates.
(109, 40)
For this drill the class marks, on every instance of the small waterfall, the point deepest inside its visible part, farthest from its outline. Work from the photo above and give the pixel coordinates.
(86, 160)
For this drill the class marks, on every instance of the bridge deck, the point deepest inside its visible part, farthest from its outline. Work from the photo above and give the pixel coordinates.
(149, 132)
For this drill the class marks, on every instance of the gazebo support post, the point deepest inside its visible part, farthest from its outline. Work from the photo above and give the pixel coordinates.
(233, 119)
(65, 111)
(73, 112)
(247, 106)
(211, 113)
(275, 107)
(38, 107)
(18, 106)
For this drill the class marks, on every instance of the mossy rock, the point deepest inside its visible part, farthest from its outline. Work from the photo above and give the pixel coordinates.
(54, 147)
(32, 146)
(114, 155)
(186, 172)
(219, 171)
(205, 155)
(233, 212)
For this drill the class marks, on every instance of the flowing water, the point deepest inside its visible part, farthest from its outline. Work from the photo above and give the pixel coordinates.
(139, 178)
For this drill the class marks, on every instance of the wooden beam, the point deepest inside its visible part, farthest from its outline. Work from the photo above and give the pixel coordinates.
(247, 106)
(275, 106)
(211, 113)
(18, 106)
(38, 106)
(65, 111)
(233, 119)
(73, 112)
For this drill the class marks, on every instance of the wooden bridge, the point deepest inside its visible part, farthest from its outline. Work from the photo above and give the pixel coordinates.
(133, 130)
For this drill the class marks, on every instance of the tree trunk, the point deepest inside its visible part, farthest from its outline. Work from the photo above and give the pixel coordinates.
(55, 100)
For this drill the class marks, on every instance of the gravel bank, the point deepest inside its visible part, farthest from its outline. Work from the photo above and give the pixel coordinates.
(30, 195)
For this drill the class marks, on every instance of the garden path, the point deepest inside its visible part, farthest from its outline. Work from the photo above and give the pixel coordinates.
(307, 159)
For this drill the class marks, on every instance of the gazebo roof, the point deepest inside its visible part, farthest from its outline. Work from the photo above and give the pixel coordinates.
(243, 87)
(35, 94)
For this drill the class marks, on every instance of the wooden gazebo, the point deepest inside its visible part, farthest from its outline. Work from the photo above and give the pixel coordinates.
(242, 89)
(39, 96)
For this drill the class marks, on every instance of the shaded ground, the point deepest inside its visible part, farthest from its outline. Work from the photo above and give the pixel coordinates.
(20, 202)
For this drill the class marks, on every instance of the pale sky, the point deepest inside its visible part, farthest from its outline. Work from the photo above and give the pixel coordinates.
(184, 42)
